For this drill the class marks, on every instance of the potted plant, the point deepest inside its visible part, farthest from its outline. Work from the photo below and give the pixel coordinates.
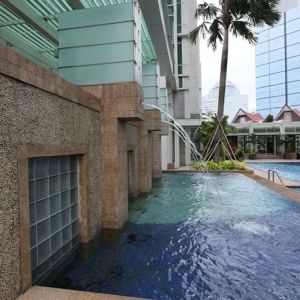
(240, 155)
(252, 155)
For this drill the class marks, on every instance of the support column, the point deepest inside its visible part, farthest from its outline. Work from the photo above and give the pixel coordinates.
(120, 104)
(147, 140)
(145, 159)
(156, 152)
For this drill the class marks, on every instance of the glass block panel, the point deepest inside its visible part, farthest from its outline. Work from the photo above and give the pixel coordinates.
(67, 234)
(54, 185)
(56, 242)
(33, 236)
(74, 196)
(65, 199)
(75, 240)
(65, 181)
(32, 213)
(34, 260)
(53, 210)
(66, 216)
(73, 179)
(54, 166)
(31, 191)
(74, 212)
(65, 164)
(75, 228)
(56, 257)
(56, 223)
(55, 204)
(43, 230)
(43, 251)
(66, 248)
(41, 167)
(42, 209)
(41, 188)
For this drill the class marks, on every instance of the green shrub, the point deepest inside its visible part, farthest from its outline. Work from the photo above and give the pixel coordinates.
(223, 165)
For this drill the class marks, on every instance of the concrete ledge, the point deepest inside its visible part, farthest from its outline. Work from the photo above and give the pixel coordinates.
(45, 293)
(18, 67)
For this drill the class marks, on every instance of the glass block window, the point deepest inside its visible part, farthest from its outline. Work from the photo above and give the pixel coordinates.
(54, 212)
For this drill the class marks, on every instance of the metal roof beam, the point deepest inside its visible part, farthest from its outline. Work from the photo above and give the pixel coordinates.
(23, 10)
(75, 4)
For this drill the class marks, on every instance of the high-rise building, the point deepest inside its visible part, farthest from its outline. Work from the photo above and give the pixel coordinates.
(233, 101)
(185, 101)
(278, 63)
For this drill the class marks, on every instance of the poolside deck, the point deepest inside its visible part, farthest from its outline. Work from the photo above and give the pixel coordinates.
(264, 174)
(45, 293)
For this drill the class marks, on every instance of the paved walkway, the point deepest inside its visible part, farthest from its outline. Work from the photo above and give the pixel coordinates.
(45, 293)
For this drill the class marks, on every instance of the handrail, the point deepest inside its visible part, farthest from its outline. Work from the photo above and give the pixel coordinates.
(273, 173)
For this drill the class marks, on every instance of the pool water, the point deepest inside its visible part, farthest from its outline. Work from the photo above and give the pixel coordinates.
(198, 237)
(288, 170)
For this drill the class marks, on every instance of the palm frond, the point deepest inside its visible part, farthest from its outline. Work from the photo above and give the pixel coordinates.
(206, 11)
(243, 29)
(215, 33)
(202, 28)
(261, 12)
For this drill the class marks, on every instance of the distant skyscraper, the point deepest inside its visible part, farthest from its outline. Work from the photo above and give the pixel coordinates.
(278, 63)
(233, 101)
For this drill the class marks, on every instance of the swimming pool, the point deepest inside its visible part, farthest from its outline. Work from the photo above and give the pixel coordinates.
(189, 240)
(287, 170)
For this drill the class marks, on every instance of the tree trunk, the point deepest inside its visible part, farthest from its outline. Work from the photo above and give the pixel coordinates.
(222, 90)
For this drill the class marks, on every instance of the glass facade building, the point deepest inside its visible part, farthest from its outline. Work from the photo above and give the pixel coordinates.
(278, 65)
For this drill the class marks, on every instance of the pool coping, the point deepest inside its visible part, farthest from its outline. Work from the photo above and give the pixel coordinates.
(192, 170)
(46, 293)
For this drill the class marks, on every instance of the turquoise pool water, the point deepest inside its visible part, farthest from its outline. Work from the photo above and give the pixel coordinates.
(198, 237)
(287, 170)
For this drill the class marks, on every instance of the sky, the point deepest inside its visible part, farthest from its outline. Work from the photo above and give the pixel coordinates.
(241, 66)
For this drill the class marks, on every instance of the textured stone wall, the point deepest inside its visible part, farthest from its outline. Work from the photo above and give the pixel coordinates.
(29, 115)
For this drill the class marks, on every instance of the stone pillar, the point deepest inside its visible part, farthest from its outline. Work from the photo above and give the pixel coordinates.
(145, 159)
(147, 130)
(156, 154)
(120, 103)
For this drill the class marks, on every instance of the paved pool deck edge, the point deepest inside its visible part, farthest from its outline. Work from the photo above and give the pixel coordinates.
(46, 293)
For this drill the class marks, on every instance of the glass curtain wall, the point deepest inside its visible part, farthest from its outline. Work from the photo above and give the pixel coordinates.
(278, 65)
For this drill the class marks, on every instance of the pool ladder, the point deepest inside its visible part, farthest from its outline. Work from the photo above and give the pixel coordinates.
(271, 176)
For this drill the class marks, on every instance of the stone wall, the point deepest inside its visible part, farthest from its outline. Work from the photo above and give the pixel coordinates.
(30, 115)
(41, 114)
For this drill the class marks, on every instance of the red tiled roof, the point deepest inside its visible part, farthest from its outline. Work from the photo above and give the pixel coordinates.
(297, 112)
(252, 117)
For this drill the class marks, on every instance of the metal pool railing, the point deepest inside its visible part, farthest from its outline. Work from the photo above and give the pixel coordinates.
(271, 176)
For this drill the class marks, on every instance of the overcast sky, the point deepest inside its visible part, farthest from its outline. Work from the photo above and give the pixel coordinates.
(241, 66)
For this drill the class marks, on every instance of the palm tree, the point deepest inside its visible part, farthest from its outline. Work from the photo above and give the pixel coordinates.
(239, 17)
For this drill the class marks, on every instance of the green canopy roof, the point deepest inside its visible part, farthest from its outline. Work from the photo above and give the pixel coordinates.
(30, 26)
